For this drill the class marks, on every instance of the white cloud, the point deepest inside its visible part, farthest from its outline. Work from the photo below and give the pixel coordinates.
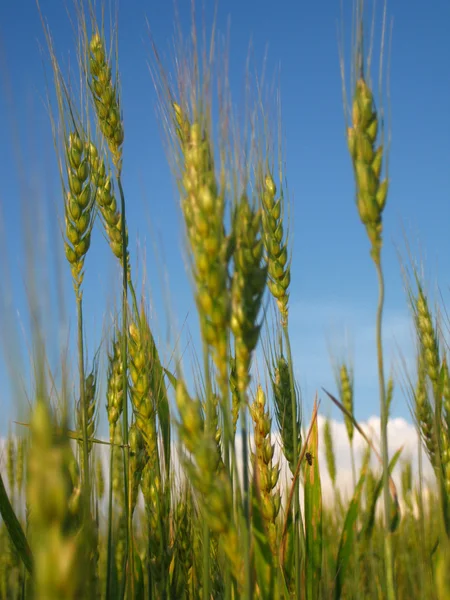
(400, 434)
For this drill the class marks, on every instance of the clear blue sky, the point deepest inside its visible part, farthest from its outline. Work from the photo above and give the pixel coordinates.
(333, 281)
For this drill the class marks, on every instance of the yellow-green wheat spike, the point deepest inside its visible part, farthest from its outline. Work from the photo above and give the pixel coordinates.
(371, 190)
(249, 280)
(203, 210)
(267, 471)
(78, 207)
(106, 98)
(106, 200)
(276, 246)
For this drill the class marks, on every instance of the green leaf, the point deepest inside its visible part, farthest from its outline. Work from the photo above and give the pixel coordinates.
(369, 520)
(313, 517)
(288, 555)
(162, 401)
(171, 377)
(15, 529)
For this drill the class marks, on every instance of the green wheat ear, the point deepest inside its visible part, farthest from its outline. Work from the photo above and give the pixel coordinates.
(62, 556)
(114, 391)
(371, 191)
(248, 285)
(106, 99)
(281, 387)
(106, 201)
(78, 205)
(329, 451)
(203, 207)
(267, 470)
(275, 243)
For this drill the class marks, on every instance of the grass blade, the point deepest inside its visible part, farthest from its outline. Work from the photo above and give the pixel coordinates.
(15, 529)
(313, 516)
(369, 522)
(346, 545)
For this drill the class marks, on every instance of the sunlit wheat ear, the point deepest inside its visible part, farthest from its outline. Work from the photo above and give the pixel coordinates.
(91, 404)
(203, 207)
(346, 386)
(429, 413)
(140, 351)
(105, 198)
(182, 554)
(138, 460)
(195, 583)
(248, 285)
(120, 547)
(423, 411)
(60, 560)
(106, 98)
(191, 418)
(100, 477)
(214, 488)
(281, 387)
(329, 451)
(275, 244)
(428, 338)
(370, 486)
(8, 564)
(445, 430)
(446, 393)
(78, 207)
(367, 158)
(407, 484)
(215, 428)
(199, 442)
(157, 511)
(114, 393)
(267, 472)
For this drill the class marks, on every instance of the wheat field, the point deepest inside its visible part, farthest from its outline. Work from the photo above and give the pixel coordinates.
(207, 484)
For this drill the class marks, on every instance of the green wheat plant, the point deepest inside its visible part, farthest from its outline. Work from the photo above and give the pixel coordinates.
(132, 476)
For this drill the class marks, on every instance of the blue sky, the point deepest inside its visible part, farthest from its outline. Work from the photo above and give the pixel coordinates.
(333, 289)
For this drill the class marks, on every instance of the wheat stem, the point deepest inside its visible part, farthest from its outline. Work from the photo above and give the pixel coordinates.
(384, 441)
(208, 422)
(126, 450)
(297, 514)
(352, 456)
(134, 299)
(84, 409)
(247, 564)
(109, 548)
